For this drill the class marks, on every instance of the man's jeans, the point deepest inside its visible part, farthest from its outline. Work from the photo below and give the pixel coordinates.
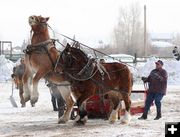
(151, 96)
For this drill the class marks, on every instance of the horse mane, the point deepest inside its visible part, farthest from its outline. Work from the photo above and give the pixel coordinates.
(76, 63)
(77, 51)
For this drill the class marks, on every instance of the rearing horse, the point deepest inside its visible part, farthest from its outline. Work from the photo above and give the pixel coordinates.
(40, 57)
(40, 60)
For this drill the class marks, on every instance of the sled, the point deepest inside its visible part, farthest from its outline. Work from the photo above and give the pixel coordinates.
(98, 109)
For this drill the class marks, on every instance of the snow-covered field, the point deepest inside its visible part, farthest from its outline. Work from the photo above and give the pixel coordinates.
(42, 120)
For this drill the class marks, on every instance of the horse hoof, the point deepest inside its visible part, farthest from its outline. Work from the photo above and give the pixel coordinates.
(79, 123)
(125, 121)
(112, 122)
(84, 119)
(127, 118)
(61, 121)
(34, 100)
(32, 104)
(26, 98)
(23, 105)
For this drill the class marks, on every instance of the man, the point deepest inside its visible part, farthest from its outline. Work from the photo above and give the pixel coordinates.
(157, 81)
(176, 53)
(56, 98)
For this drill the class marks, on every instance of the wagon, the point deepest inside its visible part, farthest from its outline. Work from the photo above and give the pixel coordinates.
(97, 107)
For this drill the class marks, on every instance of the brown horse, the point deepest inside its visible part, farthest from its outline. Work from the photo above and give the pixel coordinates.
(88, 77)
(40, 61)
(17, 75)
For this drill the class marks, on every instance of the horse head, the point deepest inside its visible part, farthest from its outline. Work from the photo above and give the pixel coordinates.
(39, 27)
(74, 60)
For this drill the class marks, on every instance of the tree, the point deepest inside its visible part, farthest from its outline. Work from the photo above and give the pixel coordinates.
(176, 39)
(128, 33)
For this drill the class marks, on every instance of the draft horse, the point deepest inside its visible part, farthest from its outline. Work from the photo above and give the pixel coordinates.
(17, 75)
(40, 61)
(88, 77)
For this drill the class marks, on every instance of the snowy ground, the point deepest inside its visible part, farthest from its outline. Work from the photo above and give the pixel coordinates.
(42, 121)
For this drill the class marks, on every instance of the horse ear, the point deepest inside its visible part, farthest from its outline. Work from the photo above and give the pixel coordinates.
(45, 19)
(67, 47)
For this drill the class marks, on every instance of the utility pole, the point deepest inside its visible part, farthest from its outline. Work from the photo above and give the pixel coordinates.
(0, 48)
(145, 33)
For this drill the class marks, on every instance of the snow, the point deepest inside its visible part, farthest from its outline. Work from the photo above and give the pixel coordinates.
(162, 44)
(6, 67)
(171, 66)
(42, 120)
(118, 57)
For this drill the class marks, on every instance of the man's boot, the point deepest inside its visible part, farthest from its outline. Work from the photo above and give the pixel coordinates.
(143, 117)
(158, 114)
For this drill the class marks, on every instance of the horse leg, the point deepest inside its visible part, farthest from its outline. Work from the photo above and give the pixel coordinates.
(22, 101)
(34, 93)
(82, 117)
(66, 116)
(26, 85)
(127, 117)
(115, 104)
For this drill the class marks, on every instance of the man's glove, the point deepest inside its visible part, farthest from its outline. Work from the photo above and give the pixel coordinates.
(144, 79)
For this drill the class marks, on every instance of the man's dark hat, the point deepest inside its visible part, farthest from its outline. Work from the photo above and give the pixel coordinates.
(159, 62)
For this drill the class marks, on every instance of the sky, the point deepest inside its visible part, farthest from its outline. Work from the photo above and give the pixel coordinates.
(89, 20)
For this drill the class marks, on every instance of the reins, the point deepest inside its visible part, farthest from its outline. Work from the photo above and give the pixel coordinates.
(94, 50)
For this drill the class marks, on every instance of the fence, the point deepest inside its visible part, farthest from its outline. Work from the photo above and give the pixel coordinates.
(13, 57)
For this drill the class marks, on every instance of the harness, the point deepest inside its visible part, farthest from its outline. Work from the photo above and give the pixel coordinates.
(42, 48)
(99, 83)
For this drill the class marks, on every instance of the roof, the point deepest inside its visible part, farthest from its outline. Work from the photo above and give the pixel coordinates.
(120, 55)
(162, 44)
(164, 36)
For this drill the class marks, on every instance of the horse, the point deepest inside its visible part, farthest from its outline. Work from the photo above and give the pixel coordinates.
(40, 60)
(88, 77)
(18, 72)
(44, 61)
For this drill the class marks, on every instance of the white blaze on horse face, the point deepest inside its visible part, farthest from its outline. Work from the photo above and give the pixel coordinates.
(32, 20)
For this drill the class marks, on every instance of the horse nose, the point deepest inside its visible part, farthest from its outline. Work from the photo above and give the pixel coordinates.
(31, 18)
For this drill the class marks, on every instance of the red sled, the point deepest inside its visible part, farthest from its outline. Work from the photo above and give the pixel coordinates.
(98, 107)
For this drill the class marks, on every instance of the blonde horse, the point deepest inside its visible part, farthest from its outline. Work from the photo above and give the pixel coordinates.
(40, 60)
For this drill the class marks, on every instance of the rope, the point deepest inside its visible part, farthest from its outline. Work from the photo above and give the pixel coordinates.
(89, 48)
(96, 50)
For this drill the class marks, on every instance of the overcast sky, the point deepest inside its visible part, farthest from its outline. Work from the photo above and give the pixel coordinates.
(89, 20)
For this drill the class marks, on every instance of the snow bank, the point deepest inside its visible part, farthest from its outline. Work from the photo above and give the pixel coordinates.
(171, 66)
(6, 67)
